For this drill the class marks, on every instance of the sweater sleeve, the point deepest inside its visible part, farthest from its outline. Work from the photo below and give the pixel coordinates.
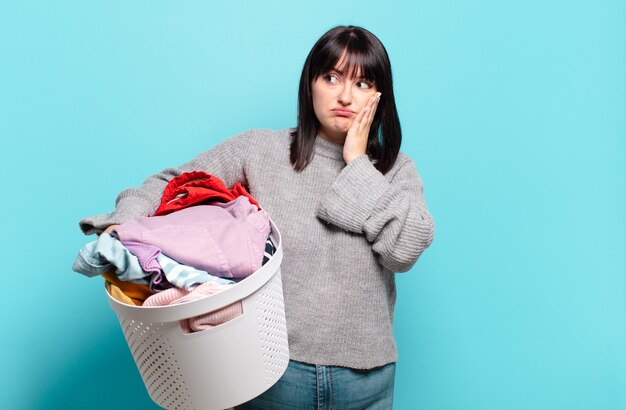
(392, 214)
(226, 161)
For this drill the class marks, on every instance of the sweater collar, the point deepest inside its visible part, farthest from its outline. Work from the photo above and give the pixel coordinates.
(328, 149)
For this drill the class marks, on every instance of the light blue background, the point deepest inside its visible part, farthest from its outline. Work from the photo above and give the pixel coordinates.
(515, 113)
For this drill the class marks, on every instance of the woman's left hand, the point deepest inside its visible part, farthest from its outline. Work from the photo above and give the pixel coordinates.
(356, 139)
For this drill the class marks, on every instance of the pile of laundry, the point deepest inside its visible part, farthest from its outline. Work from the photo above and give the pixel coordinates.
(202, 239)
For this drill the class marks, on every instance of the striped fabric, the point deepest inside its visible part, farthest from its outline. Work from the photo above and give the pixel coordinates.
(269, 250)
(186, 277)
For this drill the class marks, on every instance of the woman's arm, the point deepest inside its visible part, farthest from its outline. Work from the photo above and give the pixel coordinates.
(225, 161)
(392, 214)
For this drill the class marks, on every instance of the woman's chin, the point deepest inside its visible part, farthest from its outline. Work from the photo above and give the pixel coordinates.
(342, 126)
(337, 131)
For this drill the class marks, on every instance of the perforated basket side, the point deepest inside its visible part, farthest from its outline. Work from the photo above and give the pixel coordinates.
(270, 314)
(164, 376)
(157, 364)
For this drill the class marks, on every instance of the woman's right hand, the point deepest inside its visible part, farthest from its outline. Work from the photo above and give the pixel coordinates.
(110, 228)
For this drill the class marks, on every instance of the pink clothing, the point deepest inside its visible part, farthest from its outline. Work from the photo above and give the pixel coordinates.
(223, 239)
(195, 324)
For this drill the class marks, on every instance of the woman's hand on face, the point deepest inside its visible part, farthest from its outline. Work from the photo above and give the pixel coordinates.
(356, 139)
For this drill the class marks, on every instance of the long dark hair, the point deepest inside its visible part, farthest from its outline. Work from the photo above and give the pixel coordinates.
(363, 51)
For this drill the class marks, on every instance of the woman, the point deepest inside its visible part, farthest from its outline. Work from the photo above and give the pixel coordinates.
(351, 210)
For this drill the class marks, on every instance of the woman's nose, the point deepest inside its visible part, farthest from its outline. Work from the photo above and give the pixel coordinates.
(345, 94)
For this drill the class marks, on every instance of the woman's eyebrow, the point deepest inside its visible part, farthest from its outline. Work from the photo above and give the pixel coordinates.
(340, 72)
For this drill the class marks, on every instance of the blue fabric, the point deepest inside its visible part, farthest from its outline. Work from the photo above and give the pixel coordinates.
(105, 253)
(305, 386)
(184, 276)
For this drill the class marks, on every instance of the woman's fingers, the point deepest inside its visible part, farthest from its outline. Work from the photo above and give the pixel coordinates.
(356, 140)
(358, 120)
(110, 228)
(372, 110)
(365, 117)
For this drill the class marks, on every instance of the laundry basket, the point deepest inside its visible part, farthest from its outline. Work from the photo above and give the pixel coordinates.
(219, 367)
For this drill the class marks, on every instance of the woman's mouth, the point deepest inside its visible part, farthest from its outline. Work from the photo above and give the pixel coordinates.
(340, 112)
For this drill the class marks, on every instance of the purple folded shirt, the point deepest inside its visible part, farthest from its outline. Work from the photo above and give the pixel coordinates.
(224, 239)
(147, 255)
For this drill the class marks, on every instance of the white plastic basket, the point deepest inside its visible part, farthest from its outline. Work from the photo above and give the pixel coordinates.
(219, 367)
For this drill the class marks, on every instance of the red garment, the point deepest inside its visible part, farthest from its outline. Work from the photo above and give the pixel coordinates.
(198, 187)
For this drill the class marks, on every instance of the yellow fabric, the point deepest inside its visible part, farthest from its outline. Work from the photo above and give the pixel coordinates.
(126, 292)
(117, 294)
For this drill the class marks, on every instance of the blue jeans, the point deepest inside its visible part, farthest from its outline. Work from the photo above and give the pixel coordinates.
(305, 386)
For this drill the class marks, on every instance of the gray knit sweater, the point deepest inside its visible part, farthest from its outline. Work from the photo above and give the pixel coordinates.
(346, 229)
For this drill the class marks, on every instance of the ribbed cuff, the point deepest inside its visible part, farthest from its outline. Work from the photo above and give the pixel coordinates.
(353, 195)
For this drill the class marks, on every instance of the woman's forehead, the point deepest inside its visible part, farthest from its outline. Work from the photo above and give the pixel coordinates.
(349, 64)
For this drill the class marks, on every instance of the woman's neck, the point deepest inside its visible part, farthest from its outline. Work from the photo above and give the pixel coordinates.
(337, 138)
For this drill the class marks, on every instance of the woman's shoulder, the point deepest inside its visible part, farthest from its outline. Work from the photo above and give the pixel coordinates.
(263, 141)
(403, 165)
(258, 138)
(255, 139)
(270, 136)
(269, 133)
(402, 160)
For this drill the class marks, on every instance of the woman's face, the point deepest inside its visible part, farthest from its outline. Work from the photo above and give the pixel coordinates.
(337, 99)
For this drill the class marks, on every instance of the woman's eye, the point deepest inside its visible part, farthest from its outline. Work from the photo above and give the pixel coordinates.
(331, 78)
(364, 85)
